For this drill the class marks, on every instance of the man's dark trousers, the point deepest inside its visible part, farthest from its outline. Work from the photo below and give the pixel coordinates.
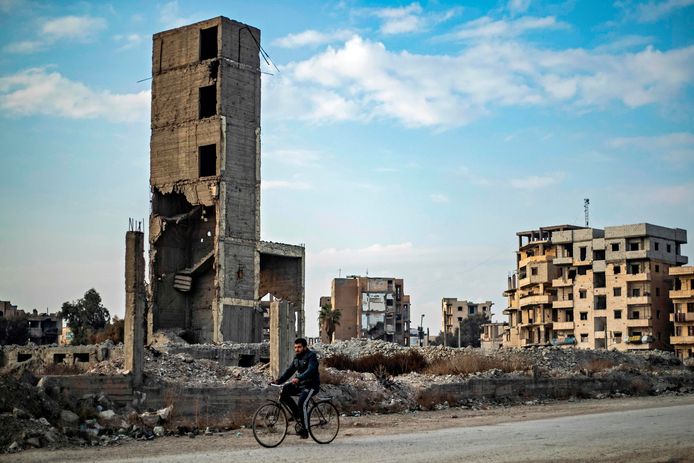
(305, 393)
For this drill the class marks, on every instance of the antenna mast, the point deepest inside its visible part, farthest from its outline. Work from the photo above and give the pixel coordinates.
(586, 206)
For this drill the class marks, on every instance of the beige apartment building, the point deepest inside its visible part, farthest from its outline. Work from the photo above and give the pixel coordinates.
(454, 311)
(593, 288)
(372, 308)
(493, 335)
(683, 314)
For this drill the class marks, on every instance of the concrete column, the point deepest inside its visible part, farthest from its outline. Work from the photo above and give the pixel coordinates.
(135, 301)
(282, 335)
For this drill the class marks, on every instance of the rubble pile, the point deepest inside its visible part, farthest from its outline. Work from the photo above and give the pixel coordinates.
(182, 368)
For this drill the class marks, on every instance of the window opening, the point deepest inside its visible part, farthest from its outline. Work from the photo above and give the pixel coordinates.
(207, 98)
(208, 43)
(207, 160)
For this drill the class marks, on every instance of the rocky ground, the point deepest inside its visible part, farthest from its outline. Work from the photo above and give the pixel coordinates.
(34, 413)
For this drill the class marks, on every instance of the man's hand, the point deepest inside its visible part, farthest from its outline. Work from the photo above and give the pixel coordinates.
(295, 380)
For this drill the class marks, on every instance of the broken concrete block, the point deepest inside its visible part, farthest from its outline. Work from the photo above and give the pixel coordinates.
(69, 418)
(159, 431)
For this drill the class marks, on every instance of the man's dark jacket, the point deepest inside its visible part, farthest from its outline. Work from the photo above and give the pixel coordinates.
(306, 364)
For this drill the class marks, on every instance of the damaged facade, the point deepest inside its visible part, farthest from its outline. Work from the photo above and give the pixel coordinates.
(682, 296)
(593, 288)
(208, 267)
(454, 311)
(371, 308)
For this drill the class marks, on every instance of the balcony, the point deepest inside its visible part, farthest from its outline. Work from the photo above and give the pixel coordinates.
(562, 304)
(535, 300)
(586, 262)
(644, 276)
(681, 260)
(599, 265)
(639, 300)
(567, 341)
(639, 339)
(640, 254)
(599, 334)
(638, 323)
(676, 271)
(681, 339)
(682, 317)
(561, 282)
(682, 293)
(600, 291)
(563, 260)
(563, 326)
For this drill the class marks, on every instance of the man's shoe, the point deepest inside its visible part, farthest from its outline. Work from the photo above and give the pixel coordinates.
(303, 434)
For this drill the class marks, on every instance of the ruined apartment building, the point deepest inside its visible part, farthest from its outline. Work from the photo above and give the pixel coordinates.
(372, 308)
(208, 267)
(592, 288)
(682, 296)
(454, 311)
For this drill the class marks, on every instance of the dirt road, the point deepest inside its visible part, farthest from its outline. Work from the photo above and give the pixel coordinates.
(638, 429)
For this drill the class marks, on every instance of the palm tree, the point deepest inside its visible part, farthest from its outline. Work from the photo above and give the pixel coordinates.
(328, 319)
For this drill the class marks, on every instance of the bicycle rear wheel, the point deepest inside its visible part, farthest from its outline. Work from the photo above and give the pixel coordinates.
(270, 425)
(324, 422)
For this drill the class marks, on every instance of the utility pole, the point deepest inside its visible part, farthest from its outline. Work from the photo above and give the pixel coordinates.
(421, 331)
(460, 325)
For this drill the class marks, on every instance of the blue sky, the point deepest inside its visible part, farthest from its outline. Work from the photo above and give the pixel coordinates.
(409, 139)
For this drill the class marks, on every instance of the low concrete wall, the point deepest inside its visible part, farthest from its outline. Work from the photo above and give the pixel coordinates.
(53, 355)
(244, 355)
(118, 388)
(235, 405)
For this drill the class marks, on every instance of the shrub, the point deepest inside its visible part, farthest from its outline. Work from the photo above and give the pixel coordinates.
(379, 364)
(471, 362)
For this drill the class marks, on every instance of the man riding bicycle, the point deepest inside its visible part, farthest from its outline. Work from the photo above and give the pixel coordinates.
(305, 384)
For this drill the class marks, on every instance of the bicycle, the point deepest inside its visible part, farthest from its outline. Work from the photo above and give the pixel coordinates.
(270, 422)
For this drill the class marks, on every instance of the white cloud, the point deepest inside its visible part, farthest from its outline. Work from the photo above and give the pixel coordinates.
(312, 38)
(77, 28)
(518, 6)
(410, 18)
(653, 11)
(534, 182)
(66, 28)
(285, 185)
(675, 147)
(37, 91)
(487, 28)
(129, 41)
(438, 198)
(625, 42)
(363, 80)
(24, 46)
(400, 20)
(170, 16)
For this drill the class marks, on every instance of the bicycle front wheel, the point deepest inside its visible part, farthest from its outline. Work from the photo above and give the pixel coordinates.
(324, 422)
(270, 425)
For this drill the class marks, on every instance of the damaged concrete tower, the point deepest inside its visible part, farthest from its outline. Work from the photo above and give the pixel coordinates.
(208, 267)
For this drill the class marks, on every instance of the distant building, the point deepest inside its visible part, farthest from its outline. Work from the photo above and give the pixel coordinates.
(683, 315)
(7, 310)
(372, 308)
(493, 336)
(593, 288)
(44, 328)
(454, 311)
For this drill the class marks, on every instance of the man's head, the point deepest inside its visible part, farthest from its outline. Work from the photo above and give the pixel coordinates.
(300, 345)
